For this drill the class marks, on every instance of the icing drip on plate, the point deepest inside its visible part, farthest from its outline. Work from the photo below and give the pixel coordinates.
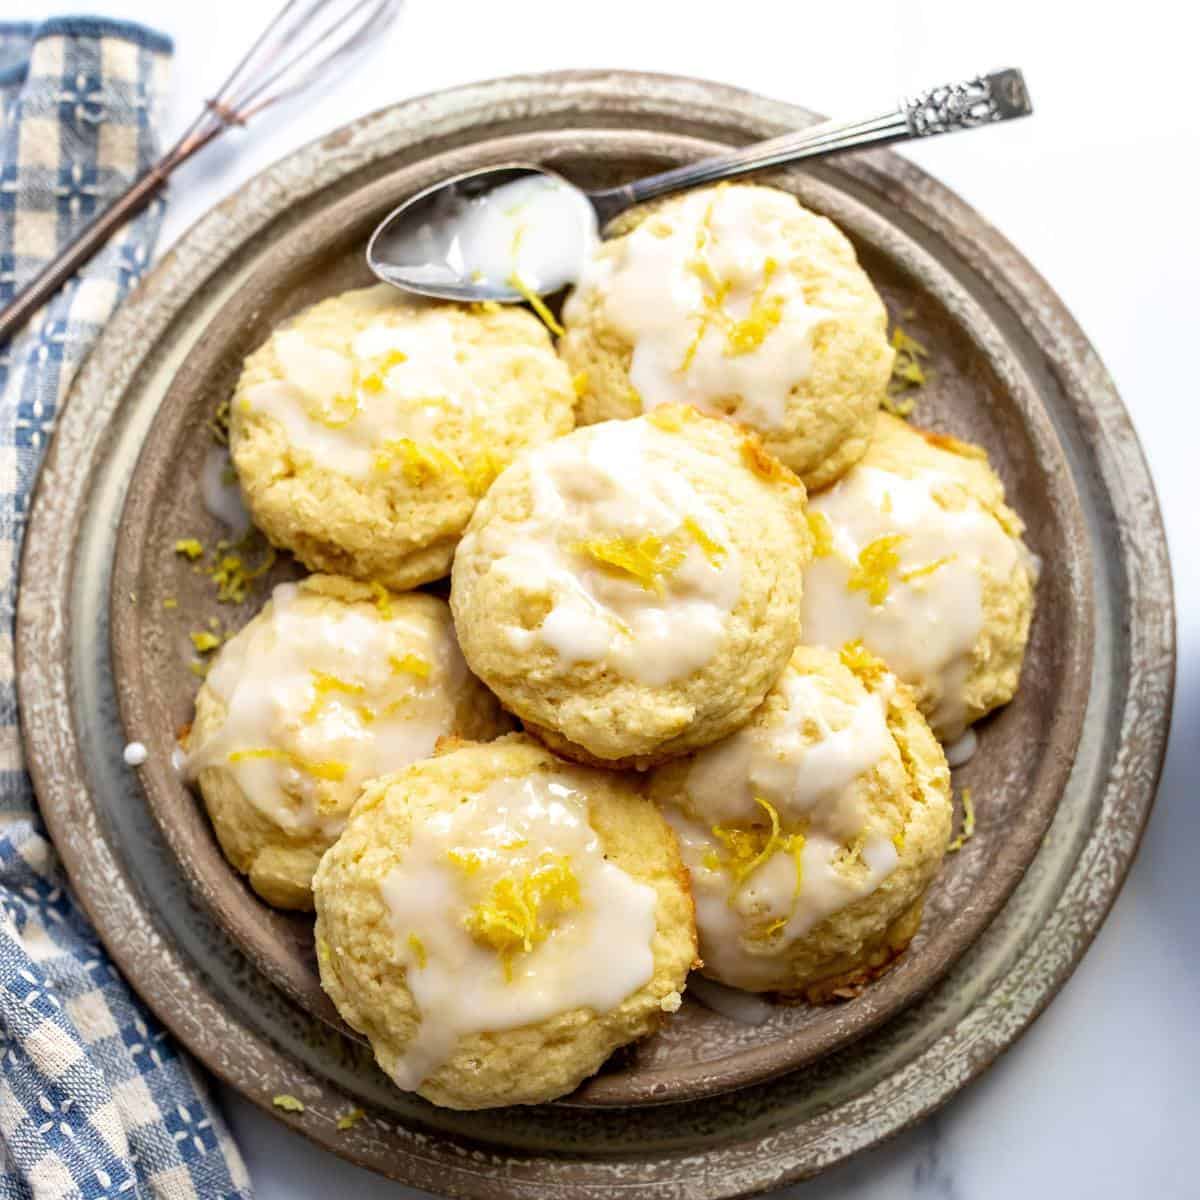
(221, 494)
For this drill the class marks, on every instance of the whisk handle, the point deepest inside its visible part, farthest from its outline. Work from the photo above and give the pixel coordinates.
(81, 248)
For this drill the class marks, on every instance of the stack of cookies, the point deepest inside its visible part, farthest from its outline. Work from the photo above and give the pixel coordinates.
(735, 616)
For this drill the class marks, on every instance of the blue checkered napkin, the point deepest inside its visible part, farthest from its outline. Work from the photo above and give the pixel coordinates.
(95, 1101)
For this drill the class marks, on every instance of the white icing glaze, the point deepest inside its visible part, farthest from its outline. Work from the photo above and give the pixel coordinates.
(925, 628)
(960, 752)
(726, 912)
(612, 484)
(660, 292)
(729, 1002)
(221, 494)
(342, 409)
(595, 954)
(373, 716)
(536, 228)
(806, 764)
(804, 774)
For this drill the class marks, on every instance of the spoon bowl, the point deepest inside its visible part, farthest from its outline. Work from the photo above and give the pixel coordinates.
(470, 238)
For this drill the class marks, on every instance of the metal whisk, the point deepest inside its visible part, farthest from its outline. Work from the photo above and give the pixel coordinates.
(303, 41)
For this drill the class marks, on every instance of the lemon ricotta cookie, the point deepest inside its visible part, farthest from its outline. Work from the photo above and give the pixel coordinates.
(365, 430)
(632, 591)
(739, 301)
(917, 554)
(497, 922)
(333, 683)
(812, 834)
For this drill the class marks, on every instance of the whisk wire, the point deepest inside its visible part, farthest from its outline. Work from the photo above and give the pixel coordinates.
(303, 41)
(202, 130)
(272, 57)
(364, 14)
(275, 39)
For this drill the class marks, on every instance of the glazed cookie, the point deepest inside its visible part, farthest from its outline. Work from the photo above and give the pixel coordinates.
(333, 683)
(497, 922)
(365, 430)
(919, 557)
(739, 301)
(812, 834)
(632, 591)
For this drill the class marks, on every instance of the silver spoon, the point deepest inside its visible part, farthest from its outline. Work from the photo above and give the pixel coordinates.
(400, 249)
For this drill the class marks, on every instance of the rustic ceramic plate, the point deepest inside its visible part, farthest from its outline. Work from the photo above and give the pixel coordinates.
(981, 390)
(1012, 371)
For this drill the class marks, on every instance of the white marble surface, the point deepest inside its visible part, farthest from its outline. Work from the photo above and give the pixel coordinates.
(1100, 1098)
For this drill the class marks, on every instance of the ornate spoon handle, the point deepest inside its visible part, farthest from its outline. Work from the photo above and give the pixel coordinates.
(982, 100)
